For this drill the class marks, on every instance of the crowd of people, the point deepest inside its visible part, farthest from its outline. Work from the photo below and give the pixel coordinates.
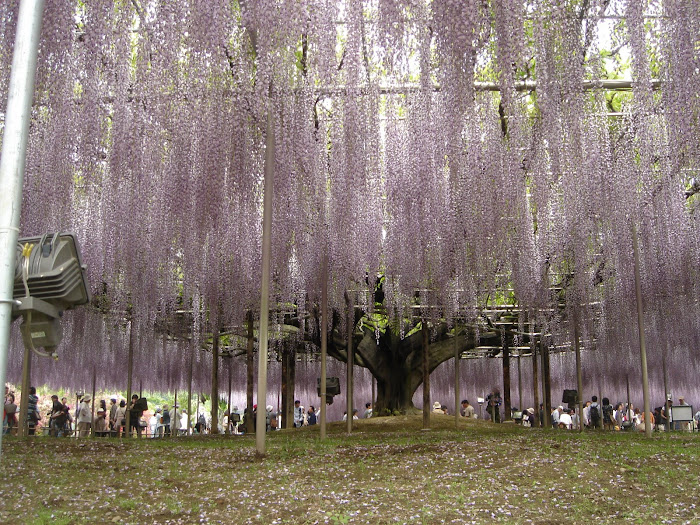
(119, 419)
(604, 415)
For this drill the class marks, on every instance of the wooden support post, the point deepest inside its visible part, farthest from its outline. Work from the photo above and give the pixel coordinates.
(535, 380)
(642, 343)
(268, 188)
(250, 371)
(520, 386)
(506, 380)
(92, 406)
(457, 403)
(324, 340)
(351, 358)
(426, 375)
(547, 386)
(189, 393)
(176, 410)
(579, 372)
(285, 384)
(292, 384)
(129, 375)
(22, 425)
(215, 383)
(228, 404)
(629, 410)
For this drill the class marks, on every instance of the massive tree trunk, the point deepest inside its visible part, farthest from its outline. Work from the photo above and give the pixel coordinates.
(396, 363)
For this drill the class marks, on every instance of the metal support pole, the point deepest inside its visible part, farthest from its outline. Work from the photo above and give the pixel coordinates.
(642, 342)
(351, 358)
(324, 341)
(260, 425)
(12, 161)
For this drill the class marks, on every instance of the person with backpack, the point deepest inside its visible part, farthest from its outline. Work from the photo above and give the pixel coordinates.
(594, 416)
(608, 421)
(201, 425)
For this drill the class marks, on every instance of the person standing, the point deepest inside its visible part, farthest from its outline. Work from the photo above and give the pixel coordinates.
(311, 416)
(608, 420)
(33, 416)
(594, 414)
(165, 431)
(113, 413)
(184, 423)
(493, 404)
(10, 415)
(120, 419)
(59, 418)
(298, 414)
(135, 413)
(84, 418)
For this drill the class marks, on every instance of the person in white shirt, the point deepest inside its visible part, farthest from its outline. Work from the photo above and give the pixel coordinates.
(586, 417)
(153, 425)
(184, 423)
(574, 420)
(555, 416)
(84, 417)
(298, 414)
(564, 420)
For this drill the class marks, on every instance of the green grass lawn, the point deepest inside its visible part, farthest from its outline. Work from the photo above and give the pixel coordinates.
(387, 471)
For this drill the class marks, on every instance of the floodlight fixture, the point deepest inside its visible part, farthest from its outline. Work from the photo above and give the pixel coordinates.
(49, 279)
(332, 388)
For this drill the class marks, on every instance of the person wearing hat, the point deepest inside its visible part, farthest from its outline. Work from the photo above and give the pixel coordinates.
(100, 425)
(270, 418)
(84, 417)
(298, 414)
(437, 408)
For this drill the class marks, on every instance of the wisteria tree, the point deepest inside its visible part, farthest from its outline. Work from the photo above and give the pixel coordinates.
(462, 147)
